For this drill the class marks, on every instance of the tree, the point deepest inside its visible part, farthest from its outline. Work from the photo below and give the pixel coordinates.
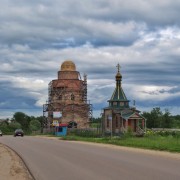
(156, 115)
(157, 119)
(149, 122)
(154, 118)
(175, 121)
(35, 125)
(167, 123)
(41, 120)
(14, 125)
(8, 128)
(96, 120)
(23, 119)
(4, 127)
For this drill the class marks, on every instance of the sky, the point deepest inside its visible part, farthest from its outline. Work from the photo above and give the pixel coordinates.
(143, 36)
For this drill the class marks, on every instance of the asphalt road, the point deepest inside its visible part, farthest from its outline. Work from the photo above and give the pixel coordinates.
(50, 159)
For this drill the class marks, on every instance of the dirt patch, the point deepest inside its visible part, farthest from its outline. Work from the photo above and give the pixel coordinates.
(11, 165)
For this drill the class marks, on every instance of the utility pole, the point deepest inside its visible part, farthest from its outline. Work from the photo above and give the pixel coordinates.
(111, 127)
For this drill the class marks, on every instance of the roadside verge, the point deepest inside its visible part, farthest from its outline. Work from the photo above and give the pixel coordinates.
(11, 165)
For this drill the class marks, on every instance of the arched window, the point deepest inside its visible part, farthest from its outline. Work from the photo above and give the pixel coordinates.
(72, 124)
(72, 97)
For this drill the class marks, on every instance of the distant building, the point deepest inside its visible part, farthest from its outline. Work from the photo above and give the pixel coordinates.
(119, 116)
(67, 98)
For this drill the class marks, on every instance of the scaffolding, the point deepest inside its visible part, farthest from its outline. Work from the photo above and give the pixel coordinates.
(58, 100)
(85, 88)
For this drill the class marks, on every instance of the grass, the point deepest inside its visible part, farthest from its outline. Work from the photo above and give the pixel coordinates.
(168, 143)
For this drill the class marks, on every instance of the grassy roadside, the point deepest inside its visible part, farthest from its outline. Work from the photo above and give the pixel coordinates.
(169, 143)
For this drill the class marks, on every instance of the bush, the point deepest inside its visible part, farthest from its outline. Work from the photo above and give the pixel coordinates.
(129, 132)
(163, 133)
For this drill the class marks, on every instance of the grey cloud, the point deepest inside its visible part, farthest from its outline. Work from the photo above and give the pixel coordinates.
(46, 24)
(37, 36)
(14, 98)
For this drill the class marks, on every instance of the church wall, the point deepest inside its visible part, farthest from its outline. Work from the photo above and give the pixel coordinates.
(107, 115)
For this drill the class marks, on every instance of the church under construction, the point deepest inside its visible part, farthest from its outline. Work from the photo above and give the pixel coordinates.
(67, 99)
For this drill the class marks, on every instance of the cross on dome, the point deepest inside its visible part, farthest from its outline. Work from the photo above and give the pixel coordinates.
(118, 67)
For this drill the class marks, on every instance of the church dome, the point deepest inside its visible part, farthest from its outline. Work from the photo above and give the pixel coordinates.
(119, 75)
(68, 66)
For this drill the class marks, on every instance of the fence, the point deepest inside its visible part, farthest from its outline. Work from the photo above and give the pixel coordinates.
(164, 129)
(87, 132)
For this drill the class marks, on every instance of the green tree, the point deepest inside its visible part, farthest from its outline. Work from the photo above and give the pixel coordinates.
(14, 125)
(96, 120)
(154, 118)
(175, 121)
(149, 122)
(23, 119)
(157, 119)
(35, 125)
(156, 115)
(4, 127)
(8, 128)
(167, 120)
(41, 120)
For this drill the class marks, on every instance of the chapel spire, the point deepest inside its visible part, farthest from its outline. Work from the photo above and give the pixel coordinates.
(118, 97)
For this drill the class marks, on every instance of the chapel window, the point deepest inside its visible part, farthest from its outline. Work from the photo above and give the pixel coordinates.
(115, 103)
(121, 103)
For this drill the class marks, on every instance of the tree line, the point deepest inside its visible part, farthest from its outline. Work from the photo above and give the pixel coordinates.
(156, 118)
(21, 121)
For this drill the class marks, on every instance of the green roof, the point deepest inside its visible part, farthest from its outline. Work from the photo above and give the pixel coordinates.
(126, 116)
(118, 94)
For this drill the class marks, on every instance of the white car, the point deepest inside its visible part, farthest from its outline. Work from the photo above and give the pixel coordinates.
(1, 133)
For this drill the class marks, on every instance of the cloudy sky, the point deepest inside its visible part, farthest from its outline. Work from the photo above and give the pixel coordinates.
(36, 36)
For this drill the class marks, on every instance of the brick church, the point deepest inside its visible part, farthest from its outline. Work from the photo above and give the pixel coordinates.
(67, 98)
(119, 116)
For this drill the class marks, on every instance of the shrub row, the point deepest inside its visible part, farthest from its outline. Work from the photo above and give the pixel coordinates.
(163, 133)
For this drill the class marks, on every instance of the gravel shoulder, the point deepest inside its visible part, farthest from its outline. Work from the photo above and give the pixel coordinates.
(11, 165)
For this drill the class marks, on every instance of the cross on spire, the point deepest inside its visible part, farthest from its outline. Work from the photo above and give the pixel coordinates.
(118, 67)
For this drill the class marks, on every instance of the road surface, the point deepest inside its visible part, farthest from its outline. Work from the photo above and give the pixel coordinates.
(50, 159)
